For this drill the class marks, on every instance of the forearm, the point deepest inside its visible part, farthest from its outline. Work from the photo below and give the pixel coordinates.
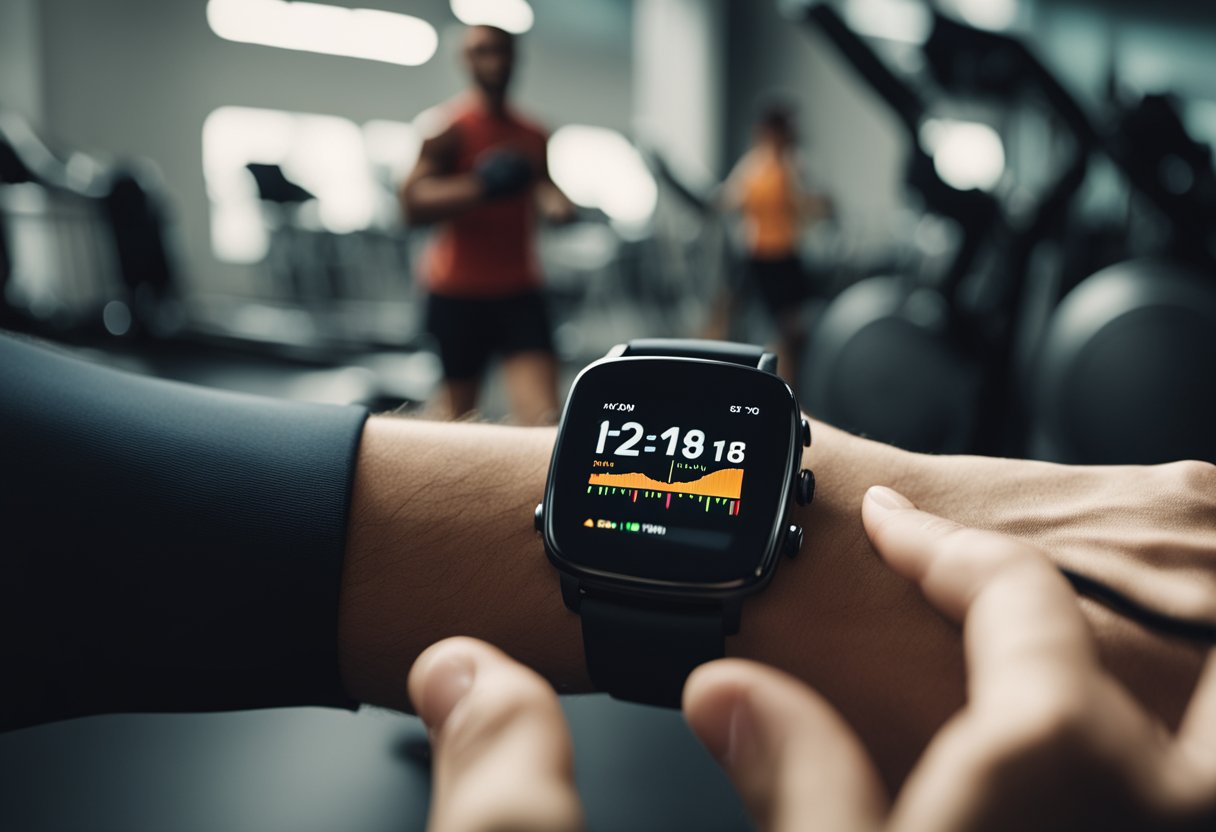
(441, 543)
(437, 198)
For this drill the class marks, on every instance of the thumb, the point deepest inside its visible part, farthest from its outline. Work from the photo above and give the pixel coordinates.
(502, 754)
(793, 759)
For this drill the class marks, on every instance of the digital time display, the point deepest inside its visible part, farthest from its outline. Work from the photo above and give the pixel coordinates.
(672, 470)
(704, 470)
(692, 447)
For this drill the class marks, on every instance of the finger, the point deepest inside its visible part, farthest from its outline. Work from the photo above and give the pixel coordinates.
(795, 762)
(502, 753)
(1026, 639)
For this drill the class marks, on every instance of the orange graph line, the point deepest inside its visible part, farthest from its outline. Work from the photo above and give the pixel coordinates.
(726, 483)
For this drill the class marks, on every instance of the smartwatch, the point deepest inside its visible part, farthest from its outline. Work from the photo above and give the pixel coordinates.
(667, 503)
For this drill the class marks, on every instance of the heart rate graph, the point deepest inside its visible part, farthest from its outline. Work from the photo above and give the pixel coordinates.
(721, 489)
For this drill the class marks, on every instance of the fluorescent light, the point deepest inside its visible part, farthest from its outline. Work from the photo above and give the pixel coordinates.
(599, 168)
(900, 20)
(509, 15)
(987, 14)
(966, 154)
(370, 34)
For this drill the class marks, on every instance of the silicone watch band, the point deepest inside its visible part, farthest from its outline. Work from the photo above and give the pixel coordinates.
(645, 654)
(727, 351)
(643, 651)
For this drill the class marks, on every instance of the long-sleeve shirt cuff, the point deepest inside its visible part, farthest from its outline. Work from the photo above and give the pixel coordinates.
(165, 547)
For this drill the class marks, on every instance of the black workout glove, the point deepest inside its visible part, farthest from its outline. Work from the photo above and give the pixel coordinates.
(502, 173)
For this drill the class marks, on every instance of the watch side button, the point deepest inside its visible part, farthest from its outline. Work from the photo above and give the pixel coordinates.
(793, 540)
(804, 487)
(806, 433)
(538, 517)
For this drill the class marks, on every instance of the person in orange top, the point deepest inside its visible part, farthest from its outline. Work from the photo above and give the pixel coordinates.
(483, 178)
(766, 189)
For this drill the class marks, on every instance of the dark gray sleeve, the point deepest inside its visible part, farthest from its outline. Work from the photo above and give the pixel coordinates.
(165, 547)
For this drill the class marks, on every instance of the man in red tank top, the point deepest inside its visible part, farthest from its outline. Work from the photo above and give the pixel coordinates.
(483, 178)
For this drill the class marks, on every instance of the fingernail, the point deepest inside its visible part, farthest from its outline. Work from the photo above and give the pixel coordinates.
(887, 498)
(740, 734)
(446, 684)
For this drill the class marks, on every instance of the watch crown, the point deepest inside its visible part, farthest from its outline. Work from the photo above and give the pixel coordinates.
(804, 487)
(793, 540)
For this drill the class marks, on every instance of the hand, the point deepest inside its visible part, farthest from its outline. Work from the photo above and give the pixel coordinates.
(1148, 532)
(866, 640)
(503, 173)
(1047, 739)
(502, 758)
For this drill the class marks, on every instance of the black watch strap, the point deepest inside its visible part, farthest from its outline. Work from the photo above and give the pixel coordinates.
(644, 654)
(746, 354)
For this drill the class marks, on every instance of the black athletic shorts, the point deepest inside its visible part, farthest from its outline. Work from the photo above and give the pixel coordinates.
(471, 331)
(781, 282)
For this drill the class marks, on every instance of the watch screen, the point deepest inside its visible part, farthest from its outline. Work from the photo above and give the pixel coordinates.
(672, 470)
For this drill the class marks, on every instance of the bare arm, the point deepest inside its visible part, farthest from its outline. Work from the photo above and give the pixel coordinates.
(432, 193)
(441, 544)
(812, 205)
(729, 197)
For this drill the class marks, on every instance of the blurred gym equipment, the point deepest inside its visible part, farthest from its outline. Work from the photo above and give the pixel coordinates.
(977, 360)
(921, 360)
(138, 219)
(1127, 370)
(87, 259)
(58, 268)
(352, 290)
(294, 252)
(686, 259)
(608, 283)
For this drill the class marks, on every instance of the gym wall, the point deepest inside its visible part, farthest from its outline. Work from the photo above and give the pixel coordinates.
(138, 78)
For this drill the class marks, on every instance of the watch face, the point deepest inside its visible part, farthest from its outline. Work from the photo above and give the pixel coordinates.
(672, 470)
